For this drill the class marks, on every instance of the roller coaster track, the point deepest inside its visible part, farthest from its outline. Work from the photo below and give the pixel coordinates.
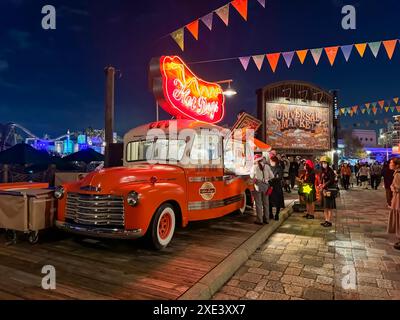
(9, 131)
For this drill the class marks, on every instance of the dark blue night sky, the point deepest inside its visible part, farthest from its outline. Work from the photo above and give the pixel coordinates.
(53, 80)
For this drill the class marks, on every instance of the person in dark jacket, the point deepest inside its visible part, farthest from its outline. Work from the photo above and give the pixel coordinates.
(327, 188)
(276, 199)
(356, 169)
(293, 171)
(387, 174)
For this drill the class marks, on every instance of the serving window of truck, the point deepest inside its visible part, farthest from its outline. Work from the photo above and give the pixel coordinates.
(174, 171)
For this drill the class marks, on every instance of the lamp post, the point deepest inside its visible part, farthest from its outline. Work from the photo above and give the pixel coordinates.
(229, 92)
(384, 138)
(335, 121)
(109, 113)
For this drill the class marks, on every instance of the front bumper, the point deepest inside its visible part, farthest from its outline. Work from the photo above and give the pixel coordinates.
(99, 232)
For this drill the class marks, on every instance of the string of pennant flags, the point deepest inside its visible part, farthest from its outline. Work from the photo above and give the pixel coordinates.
(241, 7)
(377, 107)
(331, 52)
(366, 123)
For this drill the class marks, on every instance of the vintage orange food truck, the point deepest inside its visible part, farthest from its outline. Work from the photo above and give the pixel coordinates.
(174, 171)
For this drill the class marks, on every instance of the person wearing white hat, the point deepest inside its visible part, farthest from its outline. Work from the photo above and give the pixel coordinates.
(261, 173)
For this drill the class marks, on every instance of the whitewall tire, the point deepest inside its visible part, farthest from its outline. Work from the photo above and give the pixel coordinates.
(163, 226)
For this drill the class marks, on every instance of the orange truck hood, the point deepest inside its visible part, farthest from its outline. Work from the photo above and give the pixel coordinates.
(111, 180)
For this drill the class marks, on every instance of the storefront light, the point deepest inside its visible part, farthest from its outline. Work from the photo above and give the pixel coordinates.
(229, 92)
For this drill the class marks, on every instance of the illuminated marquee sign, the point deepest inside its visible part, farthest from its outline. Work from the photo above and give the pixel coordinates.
(298, 127)
(182, 94)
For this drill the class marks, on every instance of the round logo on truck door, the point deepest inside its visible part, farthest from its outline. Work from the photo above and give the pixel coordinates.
(207, 191)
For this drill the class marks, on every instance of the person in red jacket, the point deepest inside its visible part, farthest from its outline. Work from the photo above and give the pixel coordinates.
(345, 172)
(308, 189)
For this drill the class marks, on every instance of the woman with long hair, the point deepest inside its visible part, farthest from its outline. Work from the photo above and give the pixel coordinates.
(327, 187)
(308, 190)
(388, 175)
(276, 199)
(394, 216)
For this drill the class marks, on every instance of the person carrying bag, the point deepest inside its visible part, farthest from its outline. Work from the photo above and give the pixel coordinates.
(261, 173)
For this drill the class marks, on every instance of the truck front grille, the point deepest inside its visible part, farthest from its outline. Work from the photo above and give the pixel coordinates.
(95, 210)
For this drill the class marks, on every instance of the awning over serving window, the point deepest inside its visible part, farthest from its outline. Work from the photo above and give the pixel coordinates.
(260, 146)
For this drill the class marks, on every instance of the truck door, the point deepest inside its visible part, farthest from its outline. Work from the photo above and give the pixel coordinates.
(237, 165)
(205, 177)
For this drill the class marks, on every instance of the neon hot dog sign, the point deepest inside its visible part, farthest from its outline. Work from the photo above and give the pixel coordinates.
(184, 95)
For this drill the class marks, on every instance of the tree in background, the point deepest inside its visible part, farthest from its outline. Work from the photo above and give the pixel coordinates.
(352, 146)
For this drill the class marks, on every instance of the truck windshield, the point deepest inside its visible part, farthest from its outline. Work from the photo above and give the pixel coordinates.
(158, 149)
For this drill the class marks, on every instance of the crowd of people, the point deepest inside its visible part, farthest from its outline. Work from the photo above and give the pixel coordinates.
(276, 173)
(319, 181)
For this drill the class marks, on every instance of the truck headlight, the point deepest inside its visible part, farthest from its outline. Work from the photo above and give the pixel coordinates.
(59, 192)
(132, 198)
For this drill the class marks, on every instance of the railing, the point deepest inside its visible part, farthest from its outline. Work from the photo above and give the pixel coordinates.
(13, 176)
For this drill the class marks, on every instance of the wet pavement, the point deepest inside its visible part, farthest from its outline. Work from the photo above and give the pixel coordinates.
(354, 259)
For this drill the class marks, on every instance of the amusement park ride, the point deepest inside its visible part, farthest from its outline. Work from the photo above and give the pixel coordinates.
(10, 137)
(13, 133)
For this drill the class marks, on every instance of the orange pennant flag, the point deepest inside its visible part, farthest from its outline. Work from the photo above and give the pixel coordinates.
(241, 7)
(193, 27)
(390, 46)
(302, 54)
(355, 109)
(178, 36)
(398, 108)
(374, 110)
(273, 59)
(396, 100)
(361, 48)
(381, 103)
(331, 52)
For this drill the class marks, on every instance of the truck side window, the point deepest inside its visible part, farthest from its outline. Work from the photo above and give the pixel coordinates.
(176, 149)
(136, 151)
(235, 157)
(205, 148)
(159, 149)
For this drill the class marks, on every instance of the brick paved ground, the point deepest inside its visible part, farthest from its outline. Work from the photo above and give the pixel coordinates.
(303, 260)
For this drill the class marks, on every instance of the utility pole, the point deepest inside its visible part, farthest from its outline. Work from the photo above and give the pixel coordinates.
(109, 113)
(335, 110)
